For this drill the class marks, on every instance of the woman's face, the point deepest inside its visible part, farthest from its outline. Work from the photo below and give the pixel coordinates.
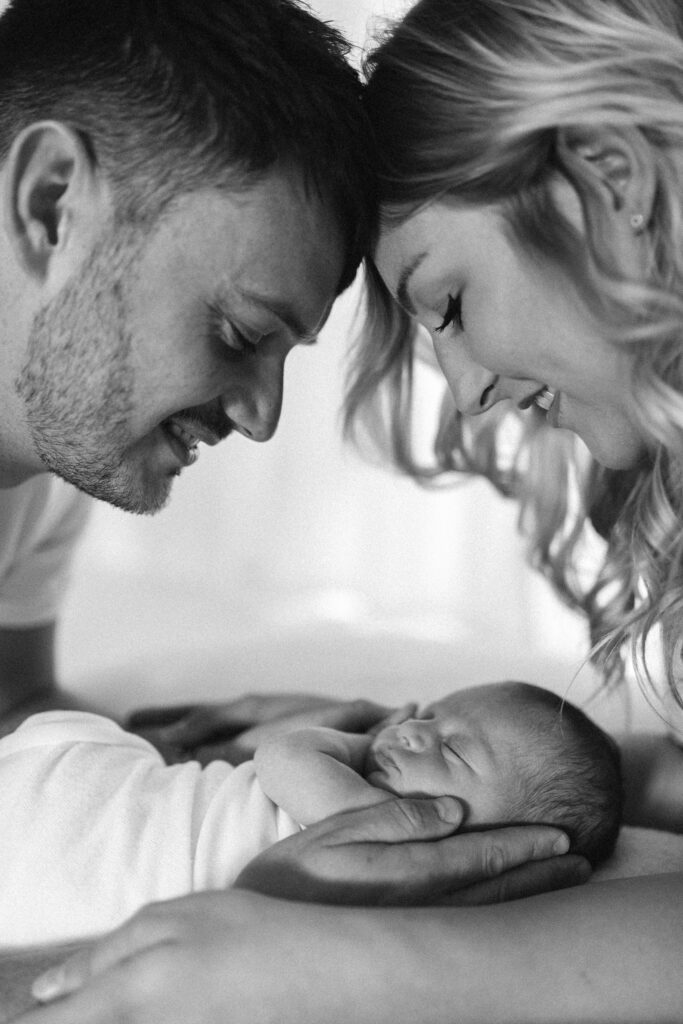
(507, 328)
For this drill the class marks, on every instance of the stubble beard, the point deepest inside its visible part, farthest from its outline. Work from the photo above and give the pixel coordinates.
(77, 383)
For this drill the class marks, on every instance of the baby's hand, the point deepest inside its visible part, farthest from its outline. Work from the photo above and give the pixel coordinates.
(395, 718)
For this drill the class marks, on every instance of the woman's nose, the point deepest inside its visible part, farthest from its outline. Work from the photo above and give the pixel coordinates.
(473, 386)
(254, 401)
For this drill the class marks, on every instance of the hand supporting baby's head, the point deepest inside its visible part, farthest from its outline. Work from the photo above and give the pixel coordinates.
(511, 752)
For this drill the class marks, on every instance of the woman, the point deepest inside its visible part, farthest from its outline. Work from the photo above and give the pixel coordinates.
(532, 195)
(531, 163)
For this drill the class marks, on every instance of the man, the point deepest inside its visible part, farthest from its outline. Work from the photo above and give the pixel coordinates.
(184, 194)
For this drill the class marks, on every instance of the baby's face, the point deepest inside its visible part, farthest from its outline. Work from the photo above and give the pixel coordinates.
(463, 745)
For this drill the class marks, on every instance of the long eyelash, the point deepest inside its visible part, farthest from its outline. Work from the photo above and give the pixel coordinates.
(453, 313)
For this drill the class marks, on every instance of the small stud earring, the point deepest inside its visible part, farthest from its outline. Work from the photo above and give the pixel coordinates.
(637, 221)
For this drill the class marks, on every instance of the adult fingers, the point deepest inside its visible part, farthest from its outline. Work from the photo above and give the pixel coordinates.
(348, 716)
(401, 714)
(395, 718)
(205, 723)
(355, 859)
(144, 718)
(384, 854)
(529, 879)
(195, 723)
(123, 993)
(184, 727)
(353, 716)
(63, 978)
(91, 1005)
(476, 855)
(151, 927)
(394, 846)
(402, 820)
(232, 751)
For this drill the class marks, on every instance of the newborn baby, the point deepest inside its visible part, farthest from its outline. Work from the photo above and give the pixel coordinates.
(95, 824)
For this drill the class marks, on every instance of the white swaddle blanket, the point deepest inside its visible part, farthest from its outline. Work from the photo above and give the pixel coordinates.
(95, 825)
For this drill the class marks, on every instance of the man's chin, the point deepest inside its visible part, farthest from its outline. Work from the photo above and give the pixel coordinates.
(130, 489)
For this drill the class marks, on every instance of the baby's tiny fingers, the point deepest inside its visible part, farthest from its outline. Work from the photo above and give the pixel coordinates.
(395, 718)
(402, 714)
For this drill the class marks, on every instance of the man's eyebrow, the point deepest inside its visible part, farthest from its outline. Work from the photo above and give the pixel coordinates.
(402, 289)
(305, 335)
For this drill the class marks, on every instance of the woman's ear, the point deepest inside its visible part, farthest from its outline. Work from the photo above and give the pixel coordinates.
(620, 163)
(52, 199)
(616, 168)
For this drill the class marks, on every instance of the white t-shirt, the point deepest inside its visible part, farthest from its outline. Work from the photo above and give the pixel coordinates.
(94, 824)
(40, 523)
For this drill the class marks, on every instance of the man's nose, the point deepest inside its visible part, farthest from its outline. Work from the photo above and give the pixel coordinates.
(254, 401)
(473, 386)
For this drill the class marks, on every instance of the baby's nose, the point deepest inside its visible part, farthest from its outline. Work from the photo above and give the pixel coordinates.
(415, 735)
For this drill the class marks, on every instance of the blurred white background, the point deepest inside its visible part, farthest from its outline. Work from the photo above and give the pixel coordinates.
(295, 565)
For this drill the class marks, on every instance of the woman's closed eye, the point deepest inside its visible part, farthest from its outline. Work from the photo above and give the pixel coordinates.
(453, 314)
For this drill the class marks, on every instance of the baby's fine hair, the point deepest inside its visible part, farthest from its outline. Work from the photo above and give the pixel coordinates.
(479, 101)
(569, 775)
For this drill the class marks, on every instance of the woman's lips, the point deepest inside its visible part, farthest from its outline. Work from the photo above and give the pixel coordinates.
(545, 398)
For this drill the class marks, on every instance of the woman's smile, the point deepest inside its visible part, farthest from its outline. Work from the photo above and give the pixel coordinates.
(520, 331)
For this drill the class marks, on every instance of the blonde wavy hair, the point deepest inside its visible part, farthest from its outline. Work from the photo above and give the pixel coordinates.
(476, 100)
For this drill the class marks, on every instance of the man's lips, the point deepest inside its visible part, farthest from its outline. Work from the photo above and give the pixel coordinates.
(191, 431)
(206, 423)
(184, 430)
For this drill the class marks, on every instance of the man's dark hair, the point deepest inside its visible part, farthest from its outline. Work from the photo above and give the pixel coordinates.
(175, 95)
(570, 774)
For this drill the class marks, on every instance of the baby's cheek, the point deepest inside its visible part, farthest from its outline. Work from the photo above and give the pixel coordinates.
(379, 781)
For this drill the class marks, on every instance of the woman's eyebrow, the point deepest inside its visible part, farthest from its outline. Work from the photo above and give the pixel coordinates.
(402, 294)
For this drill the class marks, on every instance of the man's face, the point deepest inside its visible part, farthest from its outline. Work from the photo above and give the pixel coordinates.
(177, 336)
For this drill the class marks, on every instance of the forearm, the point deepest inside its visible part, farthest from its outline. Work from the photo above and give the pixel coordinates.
(603, 953)
(314, 773)
(653, 781)
(27, 664)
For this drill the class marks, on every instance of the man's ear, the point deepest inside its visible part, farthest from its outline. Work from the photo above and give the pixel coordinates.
(620, 166)
(51, 196)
